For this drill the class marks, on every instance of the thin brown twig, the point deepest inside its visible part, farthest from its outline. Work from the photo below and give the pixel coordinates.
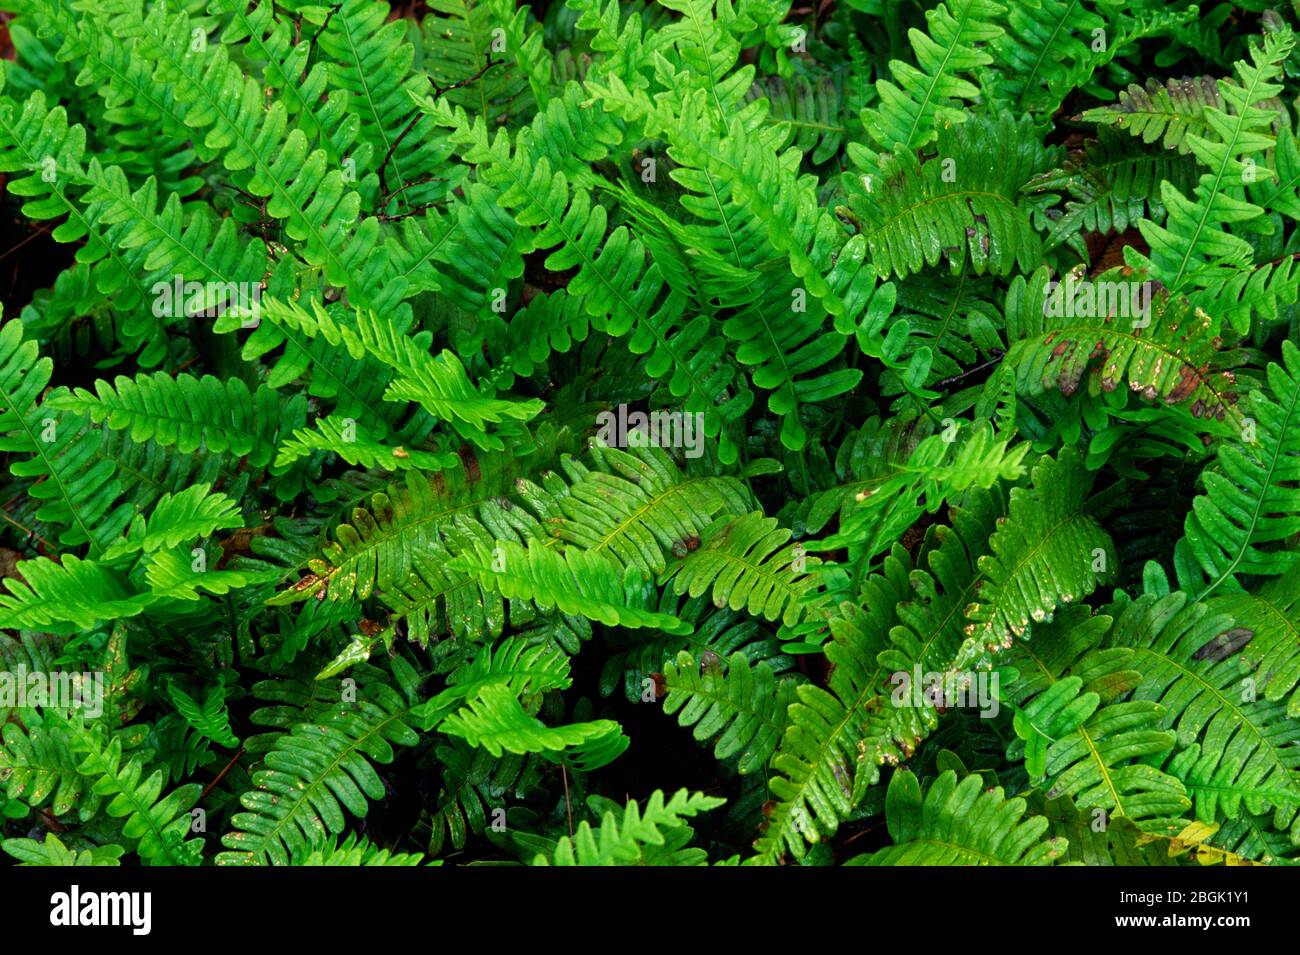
(408, 213)
(221, 775)
(422, 181)
(328, 17)
(953, 379)
(41, 231)
(31, 534)
(441, 90)
(410, 125)
(567, 805)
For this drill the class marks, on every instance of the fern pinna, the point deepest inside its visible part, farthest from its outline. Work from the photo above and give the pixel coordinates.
(415, 416)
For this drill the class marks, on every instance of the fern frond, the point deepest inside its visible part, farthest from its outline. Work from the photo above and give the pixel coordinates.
(622, 840)
(312, 774)
(1113, 183)
(1195, 242)
(493, 719)
(338, 435)
(187, 413)
(210, 719)
(438, 383)
(51, 851)
(838, 737)
(1114, 331)
(1044, 53)
(933, 91)
(1272, 614)
(1167, 111)
(38, 767)
(1047, 552)
(158, 826)
(78, 493)
(743, 706)
(638, 508)
(577, 582)
(965, 205)
(178, 519)
(1251, 506)
(371, 61)
(1080, 738)
(960, 823)
(356, 851)
(69, 596)
(745, 564)
(1234, 751)
(523, 668)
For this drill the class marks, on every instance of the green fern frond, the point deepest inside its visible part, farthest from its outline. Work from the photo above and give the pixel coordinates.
(51, 851)
(742, 706)
(187, 413)
(493, 719)
(933, 91)
(1044, 53)
(178, 575)
(964, 205)
(38, 767)
(1234, 751)
(838, 737)
(1112, 331)
(69, 596)
(211, 719)
(371, 61)
(1195, 244)
(960, 823)
(623, 840)
(1272, 614)
(177, 519)
(158, 826)
(745, 564)
(1113, 183)
(638, 507)
(438, 383)
(1047, 552)
(1167, 111)
(1251, 506)
(1080, 737)
(78, 494)
(339, 436)
(523, 668)
(312, 774)
(577, 582)
(356, 851)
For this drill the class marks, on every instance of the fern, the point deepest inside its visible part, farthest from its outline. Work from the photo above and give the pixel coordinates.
(836, 738)
(187, 413)
(426, 425)
(1248, 504)
(960, 205)
(51, 851)
(578, 582)
(1166, 112)
(494, 720)
(1163, 349)
(311, 775)
(627, 839)
(746, 566)
(1048, 552)
(957, 823)
(932, 90)
(1079, 739)
(1194, 242)
(745, 704)
(1241, 756)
